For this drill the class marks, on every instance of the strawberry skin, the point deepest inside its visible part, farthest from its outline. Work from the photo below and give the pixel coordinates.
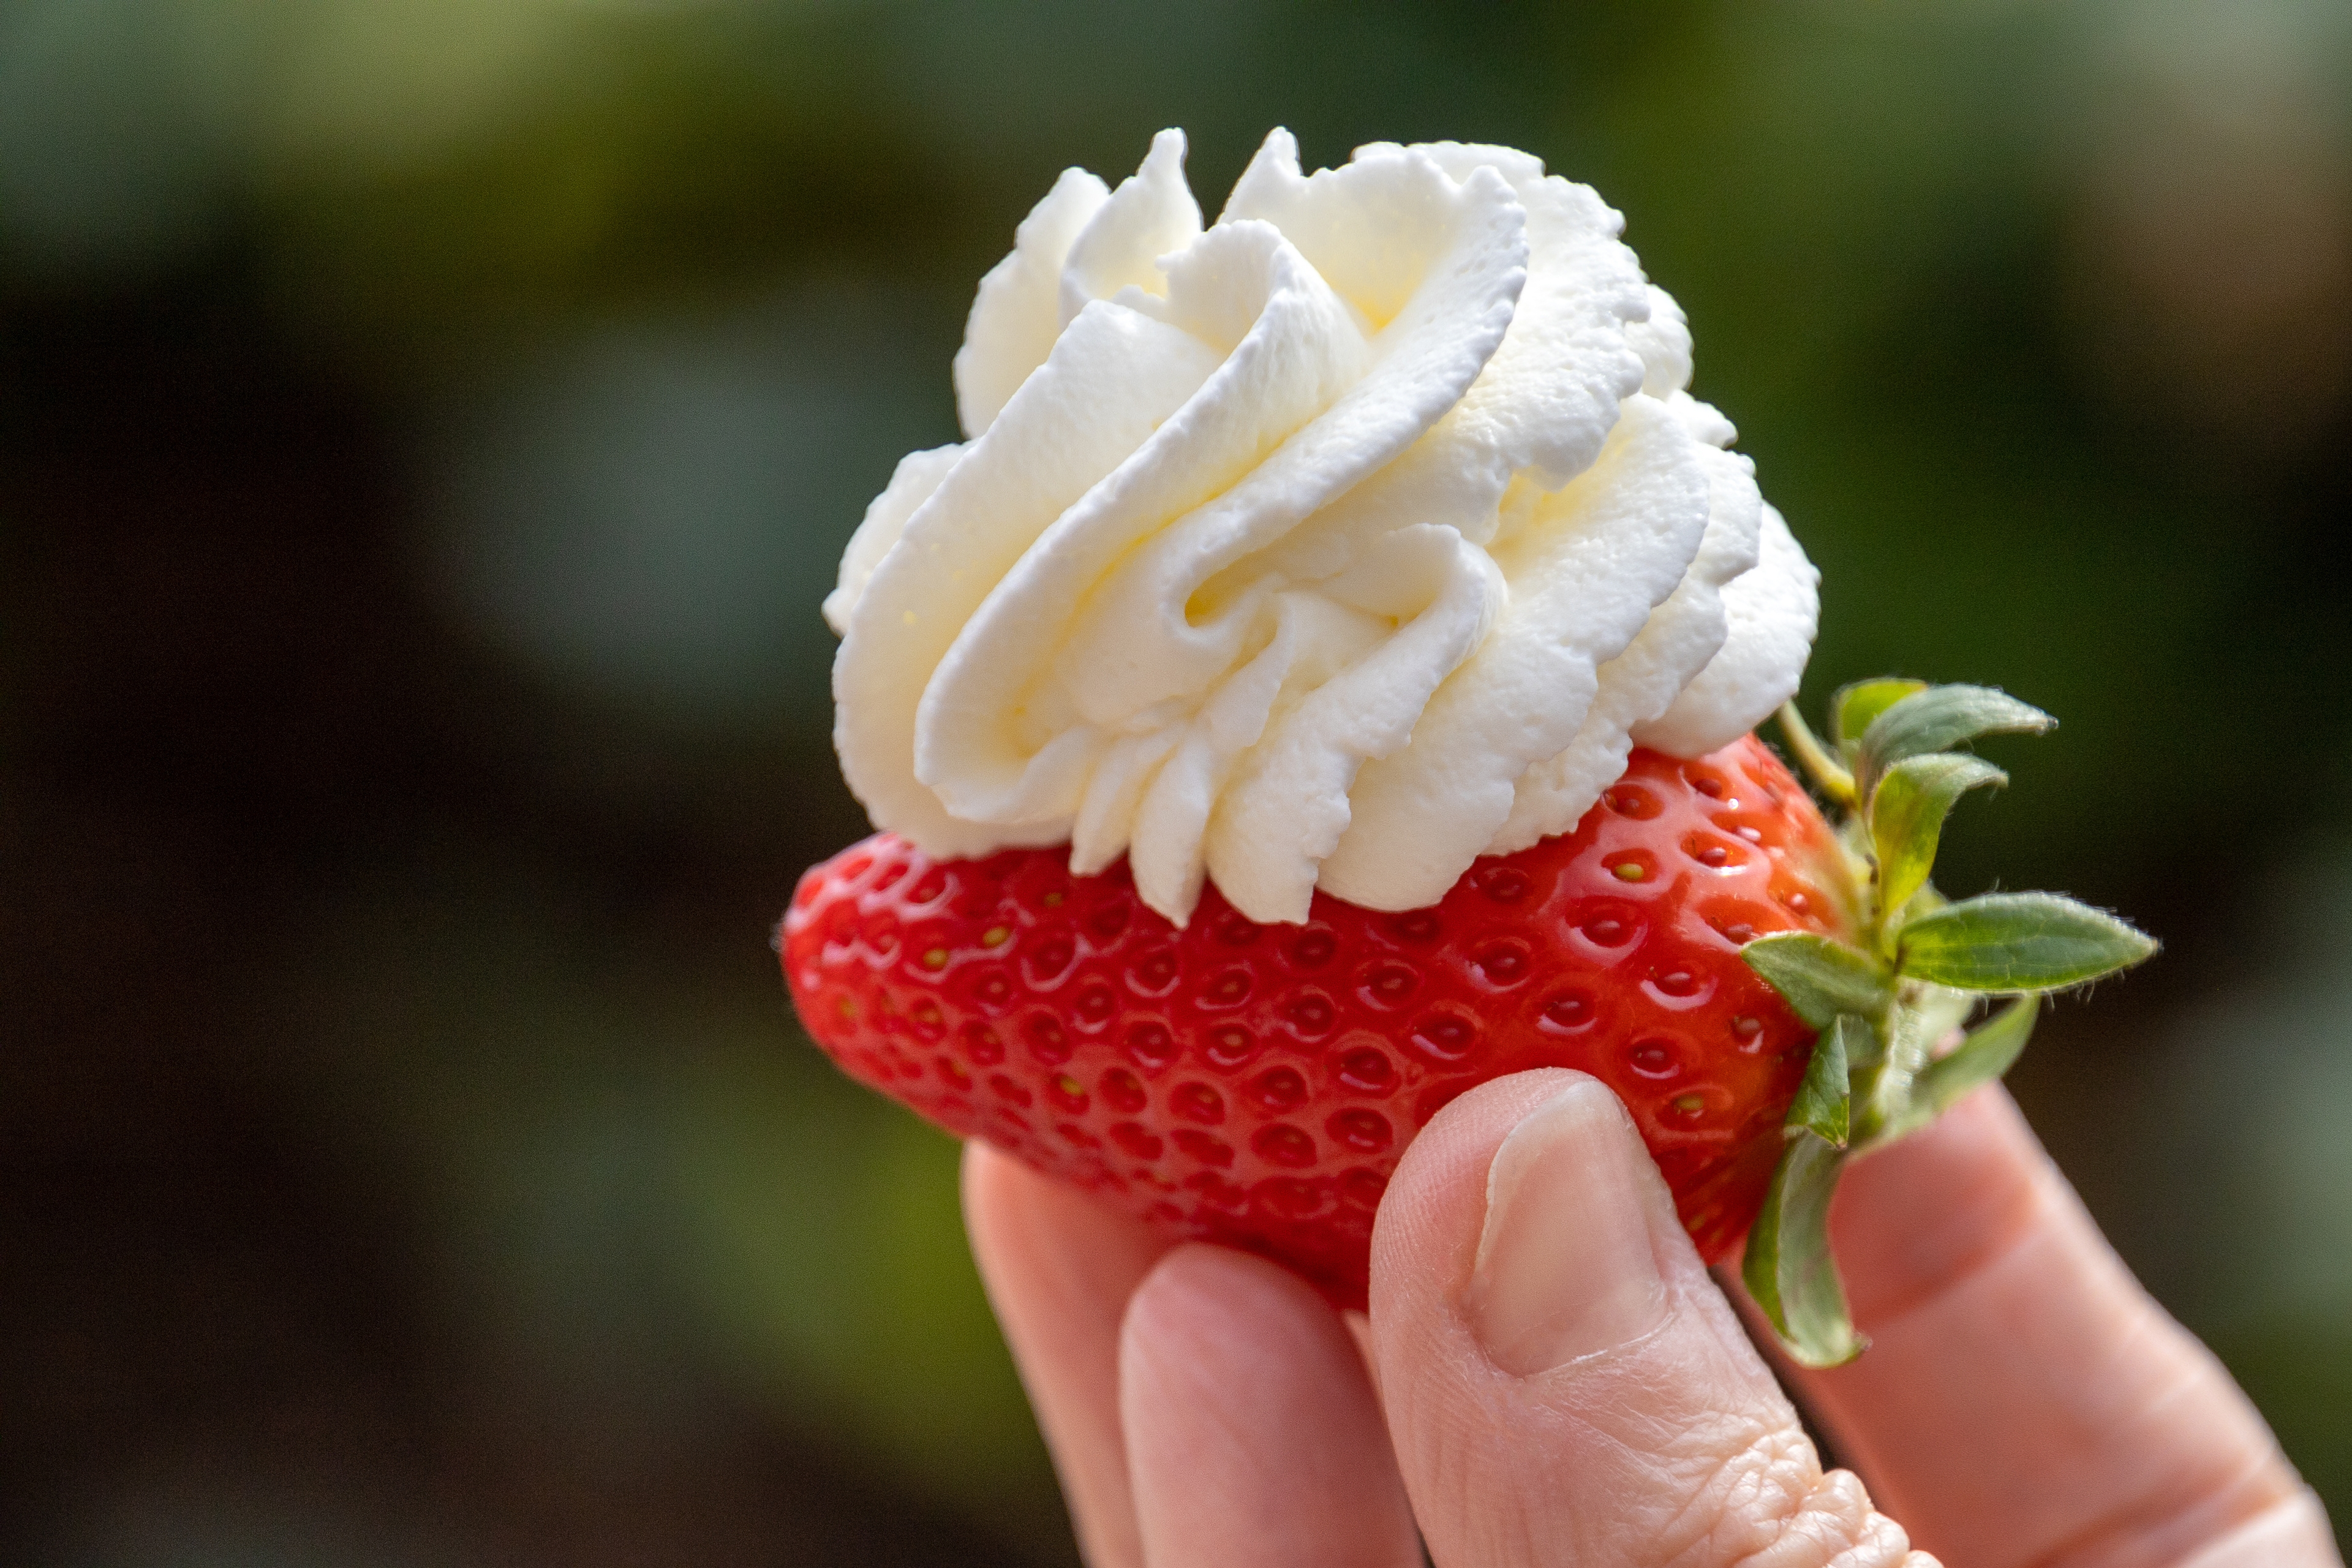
(1255, 1085)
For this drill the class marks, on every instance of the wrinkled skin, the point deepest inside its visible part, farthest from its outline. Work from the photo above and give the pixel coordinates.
(1549, 1375)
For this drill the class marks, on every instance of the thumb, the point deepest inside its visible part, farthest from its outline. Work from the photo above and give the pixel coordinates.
(1564, 1383)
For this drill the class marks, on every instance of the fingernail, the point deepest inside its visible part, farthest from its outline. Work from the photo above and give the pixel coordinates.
(1565, 1263)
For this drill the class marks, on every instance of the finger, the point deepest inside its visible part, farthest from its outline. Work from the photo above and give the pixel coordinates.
(2292, 1533)
(1253, 1434)
(1564, 1383)
(1059, 1267)
(2023, 1401)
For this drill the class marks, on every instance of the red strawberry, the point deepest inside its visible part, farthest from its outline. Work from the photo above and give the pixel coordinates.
(1254, 1085)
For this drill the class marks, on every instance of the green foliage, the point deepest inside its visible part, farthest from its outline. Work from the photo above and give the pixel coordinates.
(1936, 720)
(1788, 1267)
(1853, 706)
(1820, 977)
(1884, 1063)
(1906, 818)
(2017, 942)
(1824, 1102)
(1983, 1055)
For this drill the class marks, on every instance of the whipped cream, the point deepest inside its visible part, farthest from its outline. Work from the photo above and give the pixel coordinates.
(1334, 544)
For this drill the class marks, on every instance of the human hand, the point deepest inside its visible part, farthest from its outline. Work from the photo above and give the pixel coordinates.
(1549, 1376)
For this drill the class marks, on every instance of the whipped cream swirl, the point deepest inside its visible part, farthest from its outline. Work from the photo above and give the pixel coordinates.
(1335, 544)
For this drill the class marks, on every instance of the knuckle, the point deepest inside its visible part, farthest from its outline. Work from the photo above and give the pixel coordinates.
(1835, 1526)
(1768, 1504)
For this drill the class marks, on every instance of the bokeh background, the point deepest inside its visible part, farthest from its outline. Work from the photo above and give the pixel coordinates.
(428, 427)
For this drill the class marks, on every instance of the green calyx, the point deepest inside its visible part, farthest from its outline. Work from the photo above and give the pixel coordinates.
(1891, 1053)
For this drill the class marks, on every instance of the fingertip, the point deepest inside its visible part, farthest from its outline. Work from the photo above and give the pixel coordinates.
(1023, 1218)
(1426, 1236)
(988, 1191)
(1554, 1359)
(2023, 1394)
(1252, 1430)
(2292, 1532)
(1059, 1267)
(993, 1195)
(1204, 1297)
(1914, 1218)
(1206, 1317)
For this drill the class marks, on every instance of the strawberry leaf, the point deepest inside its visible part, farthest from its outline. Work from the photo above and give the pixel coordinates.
(1854, 708)
(1788, 1267)
(1824, 1102)
(1986, 1053)
(2016, 941)
(1821, 978)
(1915, 1027)
(1936, 719)
(1906, 818)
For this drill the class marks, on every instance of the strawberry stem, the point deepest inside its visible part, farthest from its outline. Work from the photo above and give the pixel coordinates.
(1825, 770)
(1886, 1004)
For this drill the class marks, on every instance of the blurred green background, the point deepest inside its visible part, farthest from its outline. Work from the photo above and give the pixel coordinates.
(426, 428)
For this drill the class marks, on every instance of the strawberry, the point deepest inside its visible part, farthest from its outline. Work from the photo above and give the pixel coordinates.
(1255, 1085)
